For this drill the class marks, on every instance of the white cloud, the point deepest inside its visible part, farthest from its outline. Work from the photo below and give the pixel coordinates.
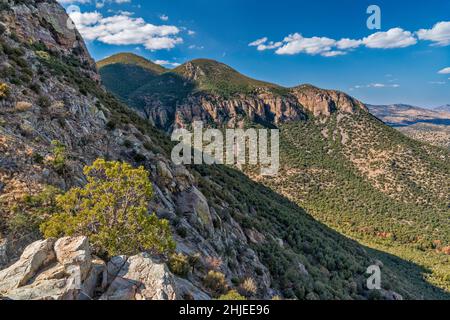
(121, 29)
(296, 43)
(258, 42)
(262, 44)
(376, 86)
(348, 44)
(98, 3)
(167, 63)
(393, 38)
(74, 1)
(196, 47)
(444, 71)
(327, 47)
(164, 17)
(334, 53)
(439, 34)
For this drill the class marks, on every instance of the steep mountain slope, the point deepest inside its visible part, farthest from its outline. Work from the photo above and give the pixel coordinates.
(55, 118)
(345, 166)
(126, 72)
(436, 135)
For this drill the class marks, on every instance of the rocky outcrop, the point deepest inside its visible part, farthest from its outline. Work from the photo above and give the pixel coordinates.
(52, 270)
(46, 22)
(325, 102)
(65, 269)
(193, 204)
(264, 107)
(139, 277)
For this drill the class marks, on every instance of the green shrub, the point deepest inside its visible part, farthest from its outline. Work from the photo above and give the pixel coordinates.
(182, 231)
(216, 282)
(232, 295)
(4, 90)
(111, 125)
(59, 157)
(30, 211)
(112, 211)
(127, 144)
(248, 288)
(38, 158)
(179, 264)
(35, 87)
(44, 102)
(43, 55)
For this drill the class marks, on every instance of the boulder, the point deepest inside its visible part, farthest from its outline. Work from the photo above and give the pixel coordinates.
(54, 270)
(140, 277)
(188, 291)
(74, 253)
(193, 203)
(164, 171)
(36, 256)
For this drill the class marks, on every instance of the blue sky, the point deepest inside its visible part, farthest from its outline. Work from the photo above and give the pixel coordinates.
(325, 43)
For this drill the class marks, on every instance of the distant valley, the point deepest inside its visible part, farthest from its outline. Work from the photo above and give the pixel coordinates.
(427, 125)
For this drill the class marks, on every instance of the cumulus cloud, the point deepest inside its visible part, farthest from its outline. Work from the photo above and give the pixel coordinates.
(296, 43)
(439, 34)
(376, 86)
(122, 29)
(346, 43)
(444, 71)
(167, 63)
(393, 38)
(262, 44)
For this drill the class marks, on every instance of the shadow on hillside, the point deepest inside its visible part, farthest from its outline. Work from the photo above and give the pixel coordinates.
(403, 276)
(279, 216)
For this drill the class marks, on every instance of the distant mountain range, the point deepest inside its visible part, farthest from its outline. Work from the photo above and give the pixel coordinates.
(399, 115)
(427, 125)
(444, 108)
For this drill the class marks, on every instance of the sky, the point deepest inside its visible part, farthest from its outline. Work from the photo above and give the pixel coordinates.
(404, 57)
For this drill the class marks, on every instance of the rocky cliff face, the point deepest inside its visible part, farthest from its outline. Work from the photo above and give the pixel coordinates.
(53, 97)
(262, 107)
(55, 119)
(220, 96)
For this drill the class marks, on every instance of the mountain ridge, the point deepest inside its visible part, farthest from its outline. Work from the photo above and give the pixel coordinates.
(171, 98)
(133, 59)
(347, 167)
(55, 119)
